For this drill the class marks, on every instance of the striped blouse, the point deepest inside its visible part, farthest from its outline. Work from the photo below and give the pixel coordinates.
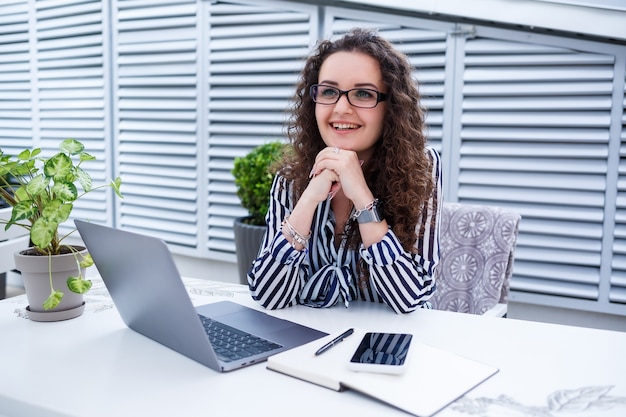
(324, 275)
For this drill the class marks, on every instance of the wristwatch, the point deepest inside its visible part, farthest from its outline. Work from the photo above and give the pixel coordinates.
(368, 214)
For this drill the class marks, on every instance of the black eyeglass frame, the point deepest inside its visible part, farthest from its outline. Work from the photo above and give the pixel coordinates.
(379, 96)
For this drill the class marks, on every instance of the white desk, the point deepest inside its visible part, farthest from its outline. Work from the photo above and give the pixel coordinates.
(95, 366)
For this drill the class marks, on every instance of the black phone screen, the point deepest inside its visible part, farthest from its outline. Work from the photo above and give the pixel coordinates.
(383, 349)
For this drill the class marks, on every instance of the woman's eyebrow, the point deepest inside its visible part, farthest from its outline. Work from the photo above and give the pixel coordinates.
(374, 86)
(328, 82)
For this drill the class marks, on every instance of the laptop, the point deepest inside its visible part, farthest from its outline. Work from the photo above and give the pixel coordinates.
(145, 286)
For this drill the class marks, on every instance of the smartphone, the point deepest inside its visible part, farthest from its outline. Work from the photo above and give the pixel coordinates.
(382, 352)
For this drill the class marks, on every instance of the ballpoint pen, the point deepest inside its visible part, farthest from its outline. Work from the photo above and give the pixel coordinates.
(333, 342)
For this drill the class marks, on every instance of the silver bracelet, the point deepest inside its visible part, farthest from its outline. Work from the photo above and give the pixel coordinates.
(295, 236)
(369, 206)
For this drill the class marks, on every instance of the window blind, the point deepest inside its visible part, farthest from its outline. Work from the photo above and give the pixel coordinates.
(16, 112)
(70, 90)
(52, 86)
(156, 103)
(168, 92)
(255, 53)
(617, 282)
(534, 136)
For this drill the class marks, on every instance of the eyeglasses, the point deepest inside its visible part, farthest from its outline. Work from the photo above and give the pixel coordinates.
(358, 97)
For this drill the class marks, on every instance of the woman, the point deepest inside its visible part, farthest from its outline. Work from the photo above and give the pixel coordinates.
(355, 207)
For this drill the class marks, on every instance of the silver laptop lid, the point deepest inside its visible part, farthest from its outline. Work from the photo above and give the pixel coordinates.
(145, 286)
(147, 289)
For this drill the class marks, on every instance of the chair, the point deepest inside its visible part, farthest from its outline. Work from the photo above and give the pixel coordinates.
(12, 240)
(477, 246)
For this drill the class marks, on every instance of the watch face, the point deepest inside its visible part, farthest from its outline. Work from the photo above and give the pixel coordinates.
(371, 215)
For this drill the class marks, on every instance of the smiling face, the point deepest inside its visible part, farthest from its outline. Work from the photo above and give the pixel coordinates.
(341, 124)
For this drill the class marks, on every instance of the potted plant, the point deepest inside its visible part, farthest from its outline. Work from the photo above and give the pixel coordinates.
(42, 192)
(253, 174)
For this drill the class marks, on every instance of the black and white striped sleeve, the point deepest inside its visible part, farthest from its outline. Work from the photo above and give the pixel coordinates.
(277, 275)
(405, 280)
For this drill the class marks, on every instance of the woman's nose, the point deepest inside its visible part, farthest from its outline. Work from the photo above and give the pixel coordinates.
(343, 105)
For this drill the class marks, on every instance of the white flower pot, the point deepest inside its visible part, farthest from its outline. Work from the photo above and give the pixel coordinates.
(36, 278)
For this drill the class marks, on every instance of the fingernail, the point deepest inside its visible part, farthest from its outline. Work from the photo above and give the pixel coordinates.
(361, 162)
(311, 173)
(331, 195)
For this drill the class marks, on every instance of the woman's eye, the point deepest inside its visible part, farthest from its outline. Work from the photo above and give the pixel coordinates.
(363, 94)
(328, 92)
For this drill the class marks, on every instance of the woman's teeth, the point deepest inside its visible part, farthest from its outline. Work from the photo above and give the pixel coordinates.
(344, 126)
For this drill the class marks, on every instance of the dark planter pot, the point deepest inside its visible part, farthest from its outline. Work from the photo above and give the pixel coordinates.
(248, 239)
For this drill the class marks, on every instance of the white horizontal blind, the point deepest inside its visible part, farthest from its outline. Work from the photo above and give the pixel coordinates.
(52, 80)
(535, 137)
(256, 50)
(67, 48)
(16, 116)
(426, 45)
(528, 121)
(617, 284)
(156, 101)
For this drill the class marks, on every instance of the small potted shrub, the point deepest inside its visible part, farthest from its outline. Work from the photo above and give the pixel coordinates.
(253, 174)
(42, 192)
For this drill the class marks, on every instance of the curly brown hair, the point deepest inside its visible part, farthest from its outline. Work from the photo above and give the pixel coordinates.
(399, 174)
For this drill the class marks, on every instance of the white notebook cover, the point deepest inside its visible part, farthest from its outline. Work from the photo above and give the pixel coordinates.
(434, 377)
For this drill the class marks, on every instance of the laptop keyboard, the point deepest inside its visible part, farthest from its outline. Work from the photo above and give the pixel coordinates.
(231, 344)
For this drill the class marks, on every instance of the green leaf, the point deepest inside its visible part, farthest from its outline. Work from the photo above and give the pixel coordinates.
(27, 155)
(21, 194)
(78, 285)
(58, 167)
(42, 232)
(87, 157)
(71, 146)
(53, 300)
(64, 191)
(84, 178)
(57, 211)
(37, 185)
(87, 261)
(116, 186)
(22, 211)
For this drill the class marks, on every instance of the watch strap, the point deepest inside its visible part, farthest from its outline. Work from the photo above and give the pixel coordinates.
(368, 214)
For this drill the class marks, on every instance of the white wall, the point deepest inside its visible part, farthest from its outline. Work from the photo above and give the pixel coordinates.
(566, 316)
(207, 269)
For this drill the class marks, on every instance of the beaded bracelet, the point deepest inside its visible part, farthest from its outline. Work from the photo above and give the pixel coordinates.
(295, 236)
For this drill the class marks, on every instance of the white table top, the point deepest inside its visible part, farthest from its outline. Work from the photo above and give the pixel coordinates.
(95, 366)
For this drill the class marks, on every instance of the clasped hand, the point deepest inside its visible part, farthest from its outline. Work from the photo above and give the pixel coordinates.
(338, 170)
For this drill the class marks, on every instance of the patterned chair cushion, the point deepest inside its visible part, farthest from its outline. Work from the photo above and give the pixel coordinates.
(477, 250)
